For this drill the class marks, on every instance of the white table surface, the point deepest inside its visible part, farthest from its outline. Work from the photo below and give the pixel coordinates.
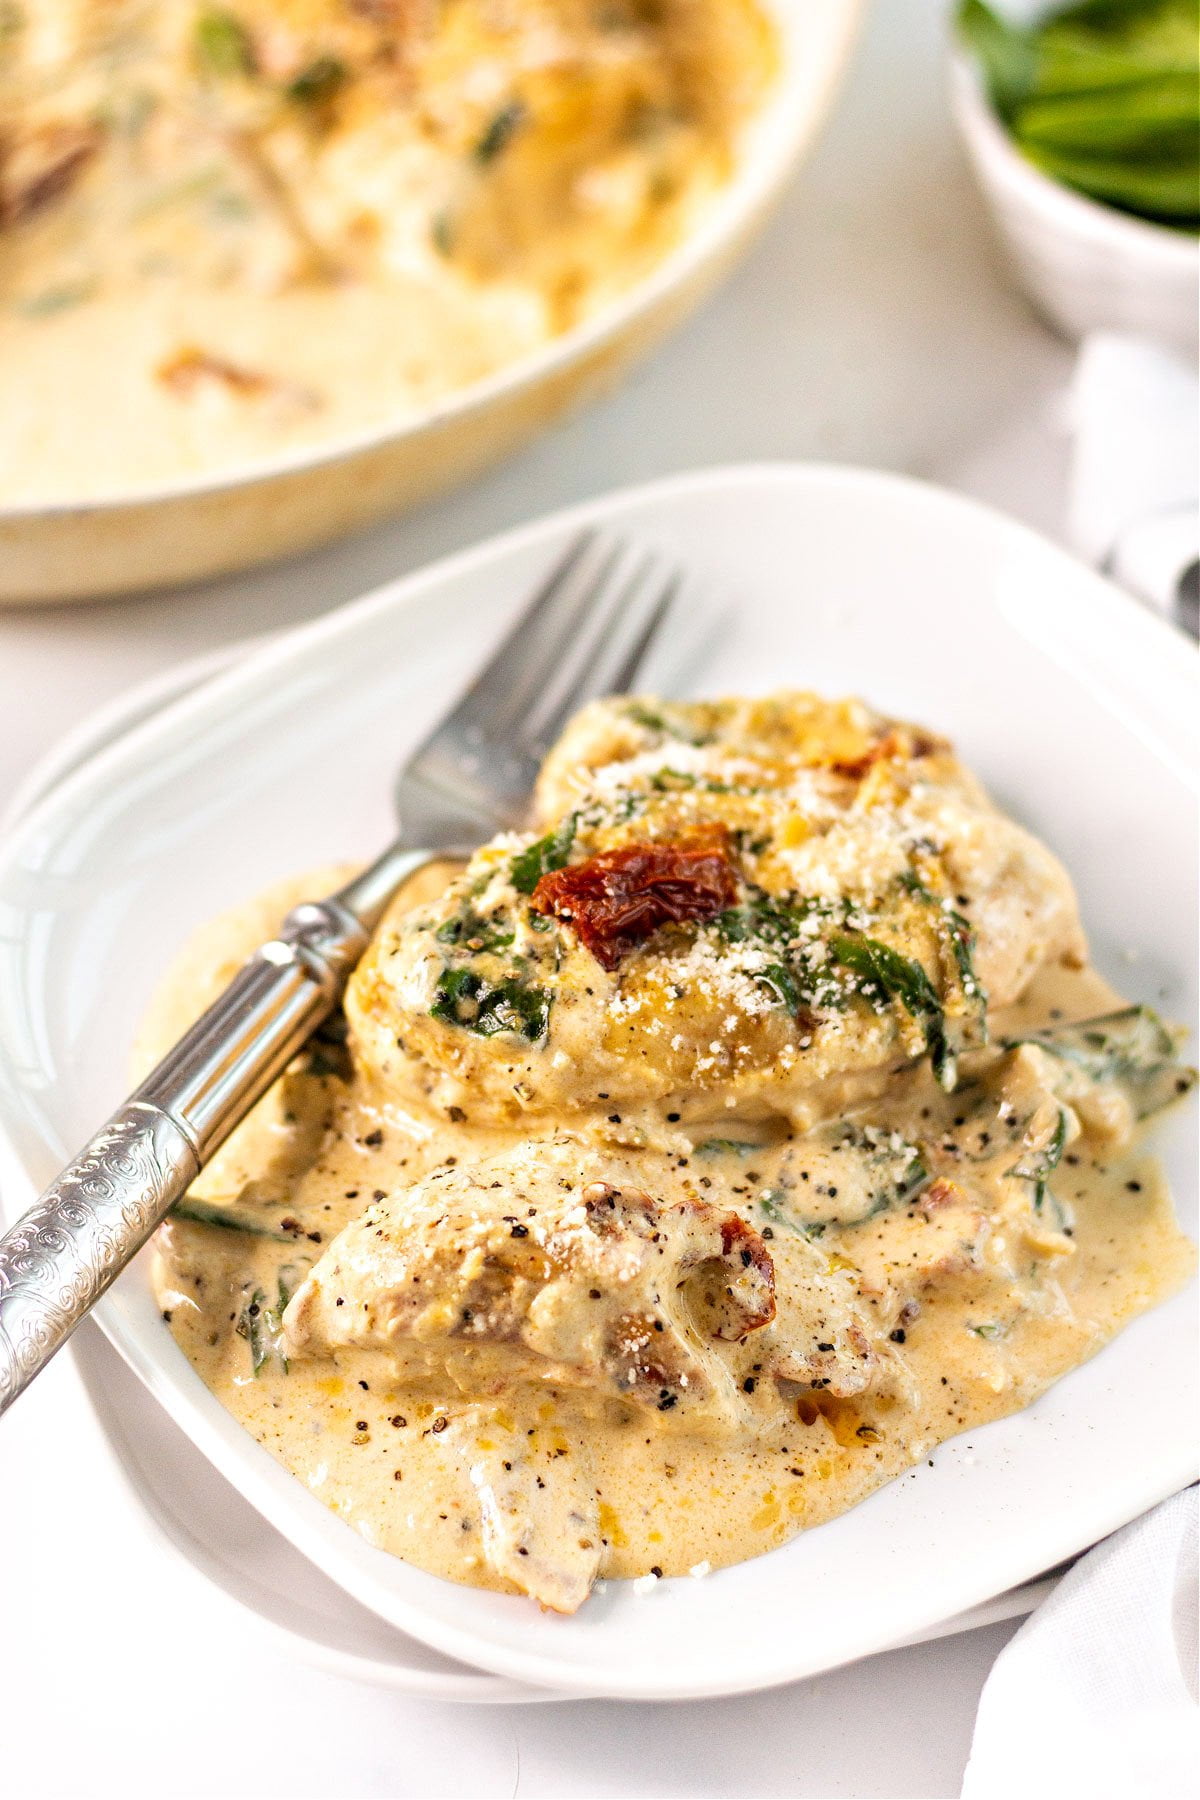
(872, 325)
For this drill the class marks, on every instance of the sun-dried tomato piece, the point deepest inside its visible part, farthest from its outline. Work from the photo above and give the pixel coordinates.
(189, 366)
(615, 900)
(894, 746)
(43, 167)
(743, 1245)
(940, 1193)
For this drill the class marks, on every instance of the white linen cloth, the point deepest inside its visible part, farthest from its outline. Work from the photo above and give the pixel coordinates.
(1096, 1694)
(1134, 501)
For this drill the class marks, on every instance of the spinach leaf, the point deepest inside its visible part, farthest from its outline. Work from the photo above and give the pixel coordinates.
(651, 719)
(1131, 1049)
(470, 931)
(498, 132)
(252, 1325)
(543, 856)
(1040, 1164)
(318, 82)
(884, 975)
(769, 1204)
(260, 1320)
(223, 45)
(466, 998)
(1103, 95)
(844, 1173)
(1005, 52)
(767, 921)
(958, 932)
(229, 1216)
(56, 299)
(442, 233)
(780, 982)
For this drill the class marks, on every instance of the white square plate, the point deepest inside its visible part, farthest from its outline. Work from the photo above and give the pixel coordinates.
(1078, 710)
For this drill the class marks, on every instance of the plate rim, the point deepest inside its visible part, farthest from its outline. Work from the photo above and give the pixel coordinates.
(104, 725)
(1159, 642)
(451, 1689)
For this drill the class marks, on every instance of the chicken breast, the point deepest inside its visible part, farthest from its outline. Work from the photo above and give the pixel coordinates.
(531, 1267)
(753, 906)
(540, 1536)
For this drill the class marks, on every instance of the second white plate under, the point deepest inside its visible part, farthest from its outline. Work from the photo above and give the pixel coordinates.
(192, 1507)
(1078, 710)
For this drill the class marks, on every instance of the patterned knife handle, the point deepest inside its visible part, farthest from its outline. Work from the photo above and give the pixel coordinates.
(59, 1258)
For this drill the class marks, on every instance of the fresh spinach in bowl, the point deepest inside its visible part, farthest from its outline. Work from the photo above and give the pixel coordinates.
(1103, 96)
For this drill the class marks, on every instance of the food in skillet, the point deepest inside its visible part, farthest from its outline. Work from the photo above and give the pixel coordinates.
(228, 230)
(685, 1167)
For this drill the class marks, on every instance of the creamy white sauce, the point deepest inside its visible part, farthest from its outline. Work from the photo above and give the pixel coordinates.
(417, 1469)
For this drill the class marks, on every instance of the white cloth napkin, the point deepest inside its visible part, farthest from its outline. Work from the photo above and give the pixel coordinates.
(1134, 502)
(1096, 1694)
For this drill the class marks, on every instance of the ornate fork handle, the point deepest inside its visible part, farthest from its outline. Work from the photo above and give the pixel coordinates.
(61, 1255)
(58, 1258)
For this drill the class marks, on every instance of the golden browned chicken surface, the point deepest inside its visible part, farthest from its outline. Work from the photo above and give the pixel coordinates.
(685, 1167)
(739, 906)
(230, 230)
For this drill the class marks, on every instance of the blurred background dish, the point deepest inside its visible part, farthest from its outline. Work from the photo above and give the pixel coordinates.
(191, 454)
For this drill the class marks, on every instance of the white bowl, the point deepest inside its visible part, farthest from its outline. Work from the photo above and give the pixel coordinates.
(239, 516)
(1085, 266)
(1078, 709)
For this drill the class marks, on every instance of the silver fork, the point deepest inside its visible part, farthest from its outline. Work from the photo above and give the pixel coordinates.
(584, 634)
